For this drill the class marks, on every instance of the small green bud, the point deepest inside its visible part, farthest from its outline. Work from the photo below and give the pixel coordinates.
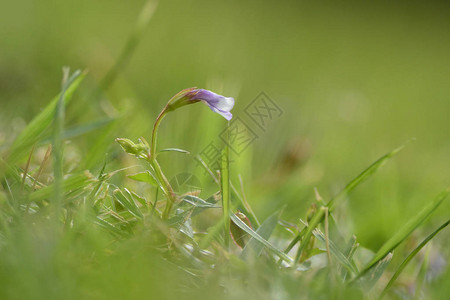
(140, 149)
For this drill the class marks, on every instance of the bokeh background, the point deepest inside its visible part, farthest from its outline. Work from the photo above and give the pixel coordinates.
(354, 80)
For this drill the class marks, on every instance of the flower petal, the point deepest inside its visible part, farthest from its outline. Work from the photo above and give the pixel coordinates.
(226, 114)
(218, 103)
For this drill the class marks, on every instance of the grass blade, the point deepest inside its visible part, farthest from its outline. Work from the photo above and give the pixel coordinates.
(371, 277)
(421, 277)
(260, 239)
(343, 260)
(245, 208)
(364, 175)
(101, 145)
(58, 128)
(128, 203)
(254, 247)
(69, 184)
(405, 231)
(316, 219)
(197, 202)
(33, 131)
(78, 130)
(225, 189)
(410, 257)
(349, 252)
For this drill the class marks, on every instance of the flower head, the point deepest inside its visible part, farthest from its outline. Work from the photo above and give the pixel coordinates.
(217, 103)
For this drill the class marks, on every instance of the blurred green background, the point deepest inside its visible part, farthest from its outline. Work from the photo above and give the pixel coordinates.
(354, 80)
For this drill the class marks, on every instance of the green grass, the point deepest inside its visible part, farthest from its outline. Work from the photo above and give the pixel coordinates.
(85, 213)
(102, 216)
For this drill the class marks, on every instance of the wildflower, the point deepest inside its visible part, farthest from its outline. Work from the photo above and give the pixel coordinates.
(217, 103)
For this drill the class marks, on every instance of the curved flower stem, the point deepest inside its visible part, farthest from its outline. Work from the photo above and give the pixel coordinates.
(165, 185)
(217, 103)
(161, 115)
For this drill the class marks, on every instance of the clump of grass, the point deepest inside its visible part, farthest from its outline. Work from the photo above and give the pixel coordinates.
(92, 236)
(102, 230)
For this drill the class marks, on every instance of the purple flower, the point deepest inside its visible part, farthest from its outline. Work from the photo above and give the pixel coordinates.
(218, 103)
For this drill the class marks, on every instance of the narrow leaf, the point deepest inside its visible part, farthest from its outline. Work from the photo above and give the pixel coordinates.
(406, 230)
(254, 247)
(198, 202)
(318, 217)
(410, 257)
(248, 213)
(238, 235)
(33, 131)
(260, 239)
(178, 218)
(109, 227)
(57, 139)
(336, 252)
(71, 183)
(362, 177)
(349, 252)
(101, 145)
(174, 150)
(372, 276)
(79, 130)
(128, 203)
(144, 177)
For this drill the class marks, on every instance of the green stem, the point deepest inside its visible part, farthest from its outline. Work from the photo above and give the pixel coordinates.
(316, 219)
(225, 189)
(166, 187)
(161, 116)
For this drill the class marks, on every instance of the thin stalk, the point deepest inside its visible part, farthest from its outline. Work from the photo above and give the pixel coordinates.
(161, 116)
(225, 189)
(316, 219)
(166, 187)
(58, 127)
